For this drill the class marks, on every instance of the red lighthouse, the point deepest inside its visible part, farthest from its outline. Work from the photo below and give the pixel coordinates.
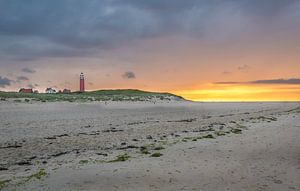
(82, 82)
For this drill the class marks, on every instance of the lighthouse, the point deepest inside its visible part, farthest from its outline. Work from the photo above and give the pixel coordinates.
(82, 82)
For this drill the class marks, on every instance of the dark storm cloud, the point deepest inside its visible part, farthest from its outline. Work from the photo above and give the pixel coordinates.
(4, 82)
(28, 70)
(128, 75)
(265, 9)
(271, 81)
(58, 28)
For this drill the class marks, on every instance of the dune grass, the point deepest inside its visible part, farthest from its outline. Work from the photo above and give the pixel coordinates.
(120, 158)
(3, 183)
(99, 95)
(40, 174)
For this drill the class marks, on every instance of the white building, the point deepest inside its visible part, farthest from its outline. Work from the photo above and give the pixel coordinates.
(50, 91)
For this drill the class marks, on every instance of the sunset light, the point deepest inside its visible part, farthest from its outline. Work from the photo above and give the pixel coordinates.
(149, 95)
(214, 93)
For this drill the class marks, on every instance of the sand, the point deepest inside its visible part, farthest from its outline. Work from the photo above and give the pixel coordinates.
(71, 146)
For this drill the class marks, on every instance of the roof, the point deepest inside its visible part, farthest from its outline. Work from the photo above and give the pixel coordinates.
(23, 90)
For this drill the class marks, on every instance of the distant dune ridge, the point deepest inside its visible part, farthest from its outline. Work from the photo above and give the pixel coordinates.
(98, 95)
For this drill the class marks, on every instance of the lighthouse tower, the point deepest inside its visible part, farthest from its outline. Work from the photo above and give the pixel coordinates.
(82, 82)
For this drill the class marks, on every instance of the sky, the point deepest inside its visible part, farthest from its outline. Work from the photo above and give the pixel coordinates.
(204, 50)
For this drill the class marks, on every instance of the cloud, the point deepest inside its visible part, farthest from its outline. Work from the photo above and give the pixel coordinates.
(4, 82)
(62, 28)
(278, 81)
(271, 81)
(128, 75)
(30, 86)
(28, 70)
(244, 67)
(226, 72)
(22, 78)
(227, 82)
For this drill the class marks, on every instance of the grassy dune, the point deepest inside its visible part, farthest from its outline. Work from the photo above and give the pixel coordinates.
(99, 95)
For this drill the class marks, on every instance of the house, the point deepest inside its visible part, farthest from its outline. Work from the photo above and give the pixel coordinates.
(50, 91)
(24, 90)
(66, 91)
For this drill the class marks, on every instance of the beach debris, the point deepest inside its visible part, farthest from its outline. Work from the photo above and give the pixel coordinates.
(3, 168)
(228, 115)
(209, 136)
(82, 133)
(204, 130)
(112, 130)
(220, 133)
(11, 146)
(32, 157)
(24, 163)
(120, 158)
(50, 138)
(102, 154)
(236, 131)
(149, 137)
(144, 150)
(156, 155)
(128, 147)
(184, 120)
(62, 135)
(82, 162)
(94, 133)
(60, 153)
(136, 123)
(158, 148)
(55, 136)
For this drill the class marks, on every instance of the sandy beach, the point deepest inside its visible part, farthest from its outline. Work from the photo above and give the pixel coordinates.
(149, 146)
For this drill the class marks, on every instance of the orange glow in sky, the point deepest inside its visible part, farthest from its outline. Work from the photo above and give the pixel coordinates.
(243, 93)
